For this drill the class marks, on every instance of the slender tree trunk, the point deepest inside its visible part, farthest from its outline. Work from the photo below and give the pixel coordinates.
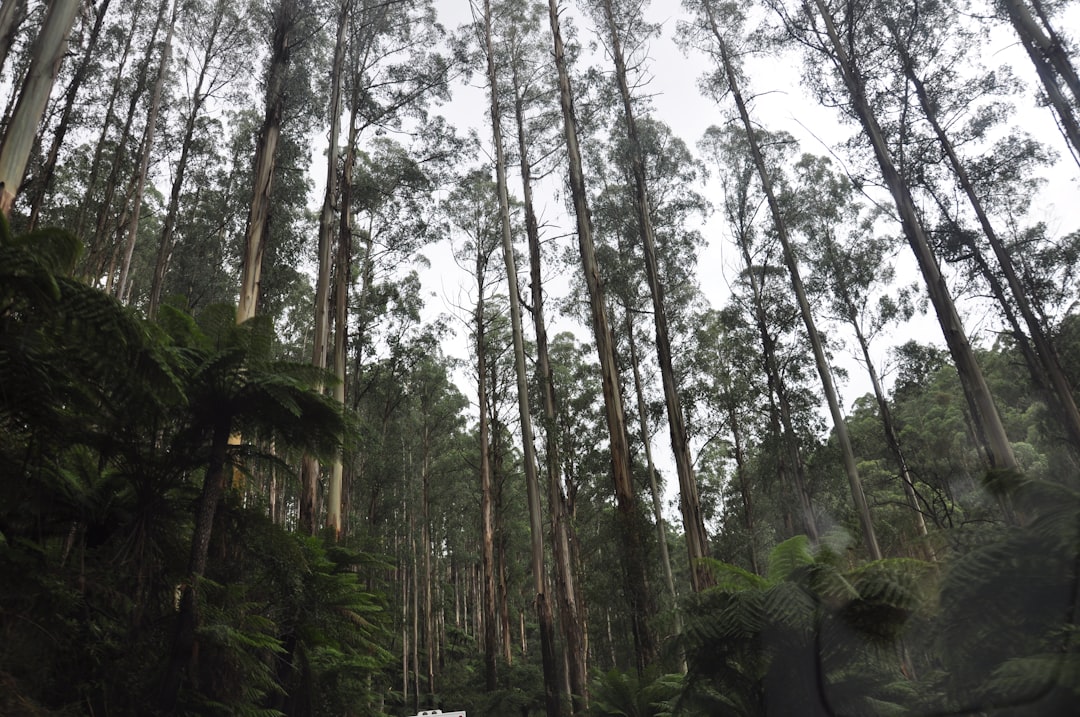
(110, 116)
(487, 519)
(1048, 358)
(654, 489)
(862, 509)
(146, 150)
(425, 540)
(984, 412)
(183, 653)
(258, 228)
(541, 601)
(48, 169)
(47, 53)
(565, 580)
(627, 518)
(198, 97)
(697, 541)
(792, 464)
(744, 481)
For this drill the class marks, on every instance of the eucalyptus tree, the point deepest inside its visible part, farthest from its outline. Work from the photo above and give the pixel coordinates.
(637, 592)
(624, 27)
(545, 617)
(830, 33)
(42, 183)
(915, 36)
(12, 15)
(137, 183)
(215, 40)
(1049, 51)
(470, 208)
(47, 52)
(284, 31)
(532, 98)
(767, 177)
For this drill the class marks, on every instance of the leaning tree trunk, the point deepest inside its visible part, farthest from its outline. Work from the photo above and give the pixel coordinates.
(258, 227)
(697, 541)
(1047, 356)
(628, 521)
(984, 412)
(47, 53)
(1052, 64)
(565, 580)
(862, 509)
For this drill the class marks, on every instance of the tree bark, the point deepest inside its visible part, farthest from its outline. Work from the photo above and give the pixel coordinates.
(487, 520)
(47, 53)
(627, 518)
(258, 229)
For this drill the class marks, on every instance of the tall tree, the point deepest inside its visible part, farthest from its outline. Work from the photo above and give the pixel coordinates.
(541, 602)
(697, 542)
(284, 19)
(637, 590)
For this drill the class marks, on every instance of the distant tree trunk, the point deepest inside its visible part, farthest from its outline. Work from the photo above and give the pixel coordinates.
(145, 152)
(541, 601)
(984, 412)
(265, 160)
(198, 97)
(654, 489)
(487, 518)
(862, 509)
(425, 540)
(48, 169)
(744, 481)
(47, 53)
(697, 541)
(99, 250)
(627, 518)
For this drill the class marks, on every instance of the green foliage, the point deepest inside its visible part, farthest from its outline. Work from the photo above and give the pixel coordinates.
(105, 431)
(809, 639)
